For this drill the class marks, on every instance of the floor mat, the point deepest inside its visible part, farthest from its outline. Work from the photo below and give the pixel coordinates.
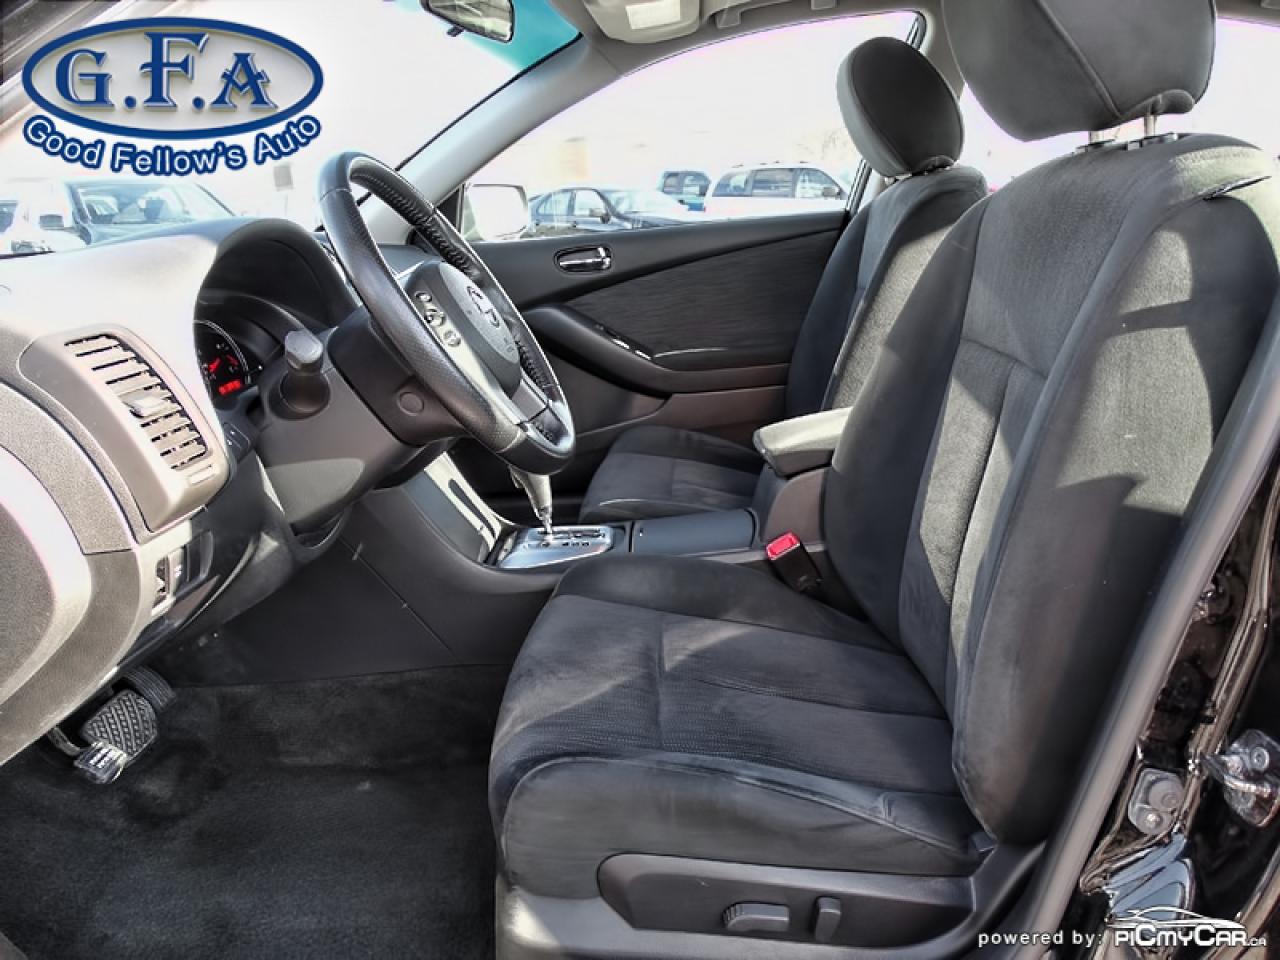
(329, 819)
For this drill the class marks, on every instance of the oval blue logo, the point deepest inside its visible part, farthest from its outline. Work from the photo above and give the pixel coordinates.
(173, 78)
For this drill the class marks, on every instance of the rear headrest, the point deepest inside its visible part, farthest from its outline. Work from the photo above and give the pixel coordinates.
(901, 114)
(1043, 67)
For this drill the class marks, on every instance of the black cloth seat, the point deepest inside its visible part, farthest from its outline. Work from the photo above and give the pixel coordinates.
(1002, 503)
(904, 120)
(658, 471)
(718, 715)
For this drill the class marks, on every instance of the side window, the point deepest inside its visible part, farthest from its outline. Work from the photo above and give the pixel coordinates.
(587, 203)
(773, 183)
(697, 137)
(1246, 61)
(816, 185)
(556, 205)
(732, 184)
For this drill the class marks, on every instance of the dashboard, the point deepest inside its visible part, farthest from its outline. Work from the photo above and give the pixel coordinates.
(149, 486)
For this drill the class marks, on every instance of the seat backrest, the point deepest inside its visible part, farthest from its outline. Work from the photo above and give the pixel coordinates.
(1015, 470)
(904, 120)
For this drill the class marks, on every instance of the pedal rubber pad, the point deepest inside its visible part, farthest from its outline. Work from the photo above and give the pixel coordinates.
(152, 686)
(116, 735)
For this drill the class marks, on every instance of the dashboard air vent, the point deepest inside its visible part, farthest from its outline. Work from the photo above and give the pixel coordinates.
(155, 409)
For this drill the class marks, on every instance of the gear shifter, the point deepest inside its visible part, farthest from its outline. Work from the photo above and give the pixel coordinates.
(538, 489)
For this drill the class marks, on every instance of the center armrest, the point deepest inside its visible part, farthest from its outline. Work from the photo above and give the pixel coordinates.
(801, 443)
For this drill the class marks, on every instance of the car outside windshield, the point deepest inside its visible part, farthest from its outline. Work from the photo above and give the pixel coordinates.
(123, 203)
(393, 79)
(644, 201)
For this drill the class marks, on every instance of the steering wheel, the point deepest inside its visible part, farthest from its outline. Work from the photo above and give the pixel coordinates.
(450, 320)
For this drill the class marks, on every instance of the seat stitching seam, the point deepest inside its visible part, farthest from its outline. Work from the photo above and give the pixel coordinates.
(762, 691)
(677, 458)
(741, 623)
(780, 789)
(975, 342)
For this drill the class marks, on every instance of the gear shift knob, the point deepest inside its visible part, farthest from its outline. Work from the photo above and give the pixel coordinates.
(538, 489)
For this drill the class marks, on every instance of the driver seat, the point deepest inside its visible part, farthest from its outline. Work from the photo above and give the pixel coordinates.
(692, 760)
(904, 120)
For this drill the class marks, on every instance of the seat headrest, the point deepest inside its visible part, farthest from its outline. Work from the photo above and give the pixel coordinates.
(1044, 67)
(901, 114)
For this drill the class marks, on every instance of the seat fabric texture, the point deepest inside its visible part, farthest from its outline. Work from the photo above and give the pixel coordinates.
(657, 471)
(1010, 482)
(719, 715)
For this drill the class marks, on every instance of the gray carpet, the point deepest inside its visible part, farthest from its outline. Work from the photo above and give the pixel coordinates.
(328, 819)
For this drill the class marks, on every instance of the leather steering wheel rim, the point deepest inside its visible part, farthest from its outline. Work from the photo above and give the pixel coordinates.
(453, 325)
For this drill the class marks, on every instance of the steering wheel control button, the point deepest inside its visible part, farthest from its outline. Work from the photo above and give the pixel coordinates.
(411, 403)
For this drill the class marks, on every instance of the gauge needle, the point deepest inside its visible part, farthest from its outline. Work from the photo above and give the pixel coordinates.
(215, 364)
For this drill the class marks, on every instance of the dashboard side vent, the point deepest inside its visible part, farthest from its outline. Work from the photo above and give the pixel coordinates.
(154, 408)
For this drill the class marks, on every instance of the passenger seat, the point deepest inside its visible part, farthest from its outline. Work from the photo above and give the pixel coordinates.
(905, 122)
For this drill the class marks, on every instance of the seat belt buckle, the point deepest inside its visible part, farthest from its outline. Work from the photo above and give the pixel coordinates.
(792, 563)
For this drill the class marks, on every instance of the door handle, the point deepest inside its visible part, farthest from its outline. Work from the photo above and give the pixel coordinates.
(585, 259)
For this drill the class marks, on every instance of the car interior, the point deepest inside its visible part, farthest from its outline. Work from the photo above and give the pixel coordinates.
(751, 588)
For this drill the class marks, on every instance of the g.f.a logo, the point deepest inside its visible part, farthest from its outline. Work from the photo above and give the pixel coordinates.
(173, 78)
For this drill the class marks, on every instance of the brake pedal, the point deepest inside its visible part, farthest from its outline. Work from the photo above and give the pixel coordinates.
(116, 736)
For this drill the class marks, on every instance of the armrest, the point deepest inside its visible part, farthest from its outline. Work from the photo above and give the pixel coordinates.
(801, 443)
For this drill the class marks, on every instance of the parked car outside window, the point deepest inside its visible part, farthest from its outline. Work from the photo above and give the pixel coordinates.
(639, 135)
(589, 209)
(775, 190)
(688, 187)
(54, 215)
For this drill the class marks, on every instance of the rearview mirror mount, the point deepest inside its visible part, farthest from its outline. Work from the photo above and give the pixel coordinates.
(491, 19)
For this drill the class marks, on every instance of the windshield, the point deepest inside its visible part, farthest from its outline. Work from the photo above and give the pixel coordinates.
(644, 201)
(393, 78)
(129, 203)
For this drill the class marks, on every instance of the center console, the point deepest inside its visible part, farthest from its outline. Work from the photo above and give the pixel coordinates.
(725, 534)
(438, 578)
(533, 547)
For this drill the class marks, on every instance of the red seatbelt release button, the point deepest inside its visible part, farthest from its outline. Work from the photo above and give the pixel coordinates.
(791, 562)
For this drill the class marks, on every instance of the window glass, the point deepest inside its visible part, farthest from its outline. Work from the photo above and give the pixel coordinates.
(695, 127)
(365, 104)
(772, 183)
(556, 205)
(732, 184)
(587, 203)
(1247, 62)
(814, 185)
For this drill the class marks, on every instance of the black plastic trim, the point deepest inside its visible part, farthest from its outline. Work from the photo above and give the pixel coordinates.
(596, 348)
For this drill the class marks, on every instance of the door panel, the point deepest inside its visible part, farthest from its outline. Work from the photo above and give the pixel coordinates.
(688, 326)
(745, 304)
(528, 270)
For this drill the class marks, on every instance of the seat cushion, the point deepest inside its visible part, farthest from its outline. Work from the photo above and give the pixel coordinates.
(683, 707)
(664, 472)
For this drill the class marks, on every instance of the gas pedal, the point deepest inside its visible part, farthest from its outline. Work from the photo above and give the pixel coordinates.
(116, 736)
(152, 686)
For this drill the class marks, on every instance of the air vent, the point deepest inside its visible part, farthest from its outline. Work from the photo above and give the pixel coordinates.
(155, 409)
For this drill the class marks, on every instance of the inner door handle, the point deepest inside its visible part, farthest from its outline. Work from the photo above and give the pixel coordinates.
(595, 259)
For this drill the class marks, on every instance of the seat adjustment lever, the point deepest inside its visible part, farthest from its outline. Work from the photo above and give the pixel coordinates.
(757, 918)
